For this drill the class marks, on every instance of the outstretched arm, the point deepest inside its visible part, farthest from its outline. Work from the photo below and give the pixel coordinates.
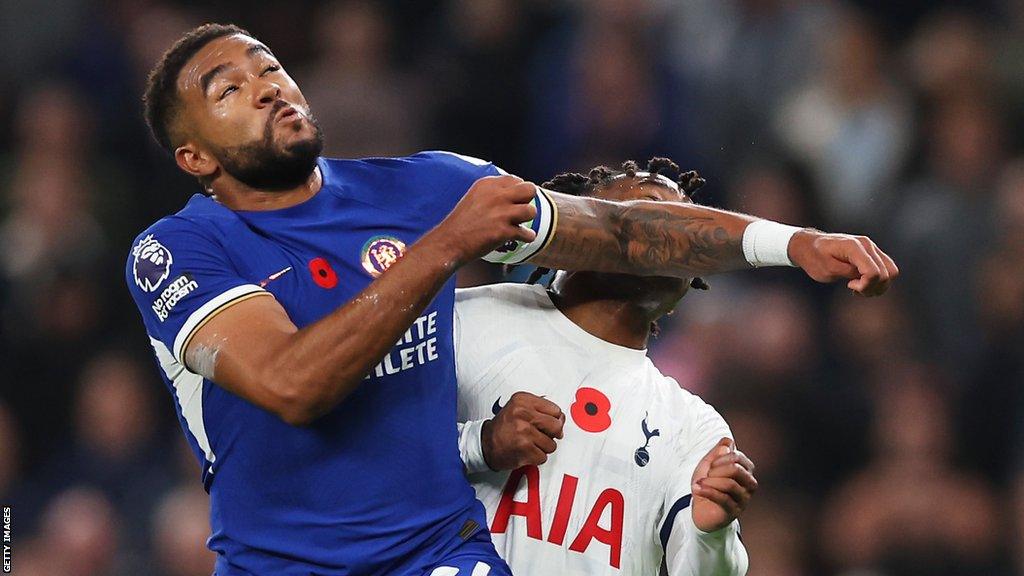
(643, 237)
(649, 238)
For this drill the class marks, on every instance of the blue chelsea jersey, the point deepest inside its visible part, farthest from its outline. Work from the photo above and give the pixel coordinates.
(374, 487)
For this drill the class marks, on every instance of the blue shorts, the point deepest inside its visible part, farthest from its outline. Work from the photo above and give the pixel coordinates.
(476, 557)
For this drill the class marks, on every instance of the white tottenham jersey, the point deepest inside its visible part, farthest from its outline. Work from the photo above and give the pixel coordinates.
(614, 497)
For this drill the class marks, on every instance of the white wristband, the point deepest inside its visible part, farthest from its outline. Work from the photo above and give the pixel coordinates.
(471, 448)
(766, 243)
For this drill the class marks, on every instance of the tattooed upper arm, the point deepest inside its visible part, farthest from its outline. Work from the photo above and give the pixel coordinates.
(643, 237)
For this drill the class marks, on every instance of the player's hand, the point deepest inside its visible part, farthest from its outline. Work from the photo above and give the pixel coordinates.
(522, 433)
(487, 217)
(723, 484)
(831, 257)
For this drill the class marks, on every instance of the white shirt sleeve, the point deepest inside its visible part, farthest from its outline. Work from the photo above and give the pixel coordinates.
(470, 447)
(477, 310)
(484, 317)
(468, 354)
(689, 550)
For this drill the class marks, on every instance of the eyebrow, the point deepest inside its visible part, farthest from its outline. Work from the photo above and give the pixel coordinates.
(256, 48)
(206, 79)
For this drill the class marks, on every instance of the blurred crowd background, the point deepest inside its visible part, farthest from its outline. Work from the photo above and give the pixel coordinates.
(887, 432)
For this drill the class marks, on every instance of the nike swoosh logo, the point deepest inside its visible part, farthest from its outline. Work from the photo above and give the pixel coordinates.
(497, 406)
(274, 276)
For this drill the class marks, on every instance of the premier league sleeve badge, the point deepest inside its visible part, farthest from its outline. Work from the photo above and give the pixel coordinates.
(152, 263)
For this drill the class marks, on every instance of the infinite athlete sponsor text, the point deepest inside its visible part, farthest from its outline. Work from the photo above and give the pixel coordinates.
(417, 347)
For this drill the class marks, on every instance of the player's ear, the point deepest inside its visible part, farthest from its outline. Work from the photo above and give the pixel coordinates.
(194, 160)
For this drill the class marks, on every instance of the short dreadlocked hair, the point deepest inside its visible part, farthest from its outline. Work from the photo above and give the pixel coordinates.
(161, 100)
(576, 184)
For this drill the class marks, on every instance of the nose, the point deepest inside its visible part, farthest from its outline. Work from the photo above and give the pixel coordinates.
(268, 93)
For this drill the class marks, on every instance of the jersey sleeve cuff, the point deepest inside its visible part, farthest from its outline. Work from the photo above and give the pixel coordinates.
(207, 311)
(544, 223)
(471, 448)
(718, 535)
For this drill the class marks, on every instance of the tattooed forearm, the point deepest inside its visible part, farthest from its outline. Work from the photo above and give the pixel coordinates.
(644, 238)
(655, 236)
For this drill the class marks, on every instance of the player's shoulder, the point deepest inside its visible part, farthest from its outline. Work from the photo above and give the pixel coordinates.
(506, 308)
(426, 184)
(200, 217)
(443, 159)
(693, 417)
(505, 295)
(440, 167)
(435, 160)
(195, 229)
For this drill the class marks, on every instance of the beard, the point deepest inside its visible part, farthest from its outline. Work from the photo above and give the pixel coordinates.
(264, 165)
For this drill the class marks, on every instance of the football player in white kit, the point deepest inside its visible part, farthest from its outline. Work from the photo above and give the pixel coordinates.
(645, 473)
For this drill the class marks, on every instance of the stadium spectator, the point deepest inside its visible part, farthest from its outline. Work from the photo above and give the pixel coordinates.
(479, 79)
(116, 448)
(54, 245)
(371, 108)
(944, 224)
(768, 188)
(180, 526)
(887, 517)
(601, 92)
(851, 125)
(79, 536)
(741, 58)
(990, 401)
(951, 51)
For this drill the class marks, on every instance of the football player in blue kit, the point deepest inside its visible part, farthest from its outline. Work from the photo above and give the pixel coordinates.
(301, 312)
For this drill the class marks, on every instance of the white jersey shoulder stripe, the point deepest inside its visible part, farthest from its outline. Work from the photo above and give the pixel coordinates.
(188, 389)
(207, 311)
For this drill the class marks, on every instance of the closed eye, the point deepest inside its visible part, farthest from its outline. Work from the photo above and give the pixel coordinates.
(269, 69)
(227, 91)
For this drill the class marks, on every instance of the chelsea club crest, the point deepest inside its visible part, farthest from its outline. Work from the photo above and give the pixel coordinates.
(380, 252)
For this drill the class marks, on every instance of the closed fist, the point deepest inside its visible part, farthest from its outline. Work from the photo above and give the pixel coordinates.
(831, 257)
(488, 216)
(723, 484)
(523, 432)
